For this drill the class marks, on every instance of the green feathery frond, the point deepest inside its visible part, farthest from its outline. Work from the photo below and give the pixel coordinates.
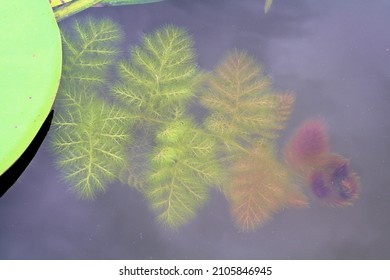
(133, 174)
(89, 49)
(160, 76)
(89, 138)
(242, 104)
(183, 165)
(89, 134)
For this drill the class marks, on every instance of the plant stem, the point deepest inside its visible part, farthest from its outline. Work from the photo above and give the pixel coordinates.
(74, 7)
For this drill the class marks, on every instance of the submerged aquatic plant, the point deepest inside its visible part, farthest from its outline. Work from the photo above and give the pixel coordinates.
(308, 147)
(260, 186)
(242, 104)
(90, 48)
(89, 134)
(245, 116)
(155, 85)
(159, 78)
(167, 156)
(328, 175)
(90, 139)
(334, 183)
(183, 166)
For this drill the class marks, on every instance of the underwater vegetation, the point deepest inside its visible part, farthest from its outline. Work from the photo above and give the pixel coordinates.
(92, 137)
(245, 116)
(242, 105)
(328, 175)
(334, 183)
(259, 187)
(89, 133)
(155, 85)
(308, 147)
(138, 130)
(183, 166)
(159, 78)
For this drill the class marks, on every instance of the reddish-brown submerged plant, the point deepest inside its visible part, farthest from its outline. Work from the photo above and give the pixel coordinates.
(308, 146)
(260, 186)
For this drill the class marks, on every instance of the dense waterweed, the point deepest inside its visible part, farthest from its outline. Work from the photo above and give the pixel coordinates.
(138, 129)
(90, 134)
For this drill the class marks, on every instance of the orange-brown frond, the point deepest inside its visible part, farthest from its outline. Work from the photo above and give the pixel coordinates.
(260, 187)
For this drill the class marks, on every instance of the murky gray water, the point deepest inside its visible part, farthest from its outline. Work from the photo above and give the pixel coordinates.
(334, 55)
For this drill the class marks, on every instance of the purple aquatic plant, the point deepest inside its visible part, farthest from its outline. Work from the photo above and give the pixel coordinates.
(328, 175)
(318, 185)
(343, 180)
(349, 187)
(308, 146)
(334, 183)
(338, 166)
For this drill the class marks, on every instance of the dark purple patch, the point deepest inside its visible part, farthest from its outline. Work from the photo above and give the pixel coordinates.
(340, 172)
(318, 185)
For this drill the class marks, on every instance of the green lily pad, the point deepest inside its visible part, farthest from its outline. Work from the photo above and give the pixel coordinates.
(30, 67)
